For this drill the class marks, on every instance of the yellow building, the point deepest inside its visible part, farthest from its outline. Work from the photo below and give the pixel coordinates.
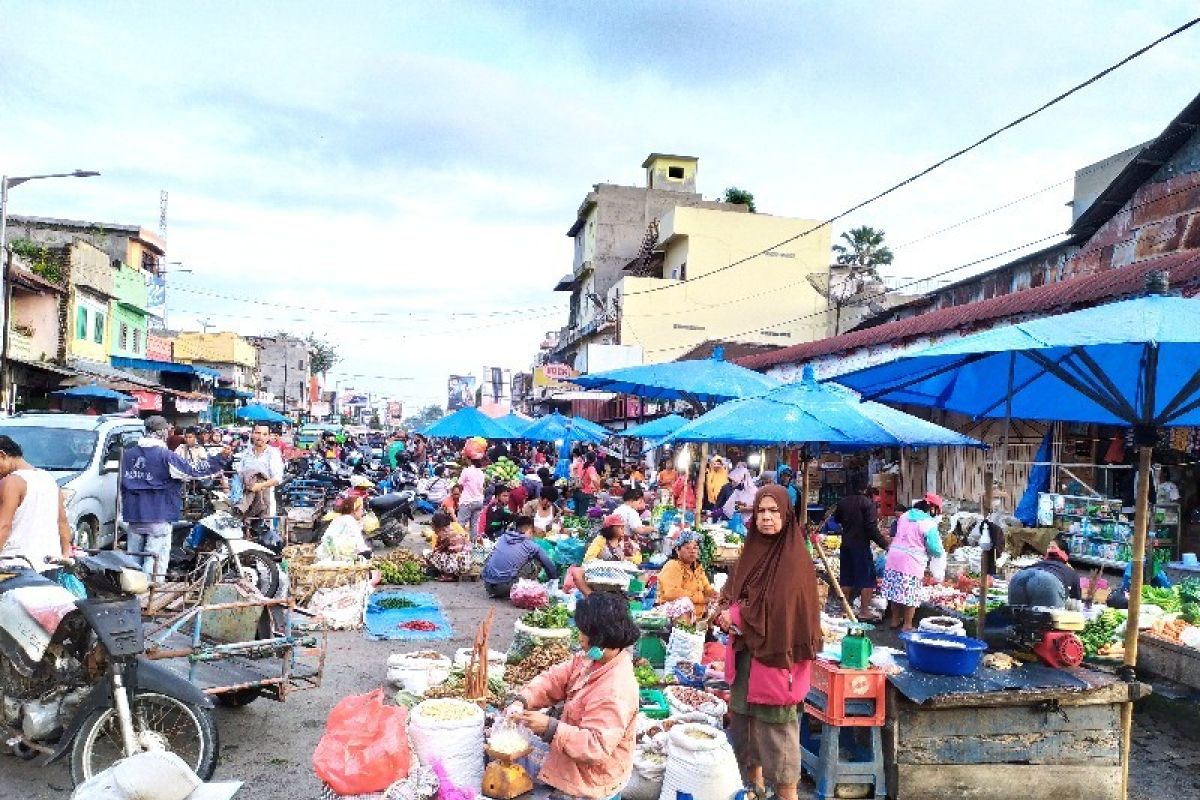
(691, 288)
(231, 355)
(92, 286)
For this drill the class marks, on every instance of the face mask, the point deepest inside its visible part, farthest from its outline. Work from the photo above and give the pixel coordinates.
(595, 653)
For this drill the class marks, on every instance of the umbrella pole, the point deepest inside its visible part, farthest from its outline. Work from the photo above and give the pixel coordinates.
(984, 556)
(836, 584)
(1140, 524)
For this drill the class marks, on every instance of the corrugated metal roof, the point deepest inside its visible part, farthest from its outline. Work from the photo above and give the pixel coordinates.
(1081, 291)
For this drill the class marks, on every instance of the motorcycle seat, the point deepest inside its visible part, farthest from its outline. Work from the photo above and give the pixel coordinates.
(385, 502)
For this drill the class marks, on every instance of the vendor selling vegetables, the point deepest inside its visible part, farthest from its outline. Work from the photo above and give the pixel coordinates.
(683, 575)
(591, 741)
(1047, 583)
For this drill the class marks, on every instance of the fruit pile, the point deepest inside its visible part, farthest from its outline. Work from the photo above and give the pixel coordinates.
(504, 471)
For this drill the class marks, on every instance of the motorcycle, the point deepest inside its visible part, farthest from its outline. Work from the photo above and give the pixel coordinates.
(221, 537)
(395, 511)
(72, 676)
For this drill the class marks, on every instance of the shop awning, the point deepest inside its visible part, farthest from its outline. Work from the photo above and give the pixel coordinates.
(44, 366)
(226, 393)
(122, 362)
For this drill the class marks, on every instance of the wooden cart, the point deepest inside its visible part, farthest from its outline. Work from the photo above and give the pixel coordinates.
(1060, 743)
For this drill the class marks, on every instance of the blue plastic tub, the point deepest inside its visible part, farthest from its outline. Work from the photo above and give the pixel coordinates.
(943, 660)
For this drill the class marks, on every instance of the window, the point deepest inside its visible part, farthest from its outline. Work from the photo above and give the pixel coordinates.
(675, 173)
(98, 328)
(123, 337)
(137, 340)
(300, 365)
(81, 328)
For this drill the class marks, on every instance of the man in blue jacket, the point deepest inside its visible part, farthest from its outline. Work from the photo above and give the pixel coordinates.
(151, 477)
(516, 556)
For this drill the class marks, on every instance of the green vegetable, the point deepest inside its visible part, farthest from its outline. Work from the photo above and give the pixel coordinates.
(1191, 613)
(554, 615)
(1189, 590)
(645, 674)
(1166, 599)
(708, 551)
(1099, 632)
(409, 572)
(395, 602)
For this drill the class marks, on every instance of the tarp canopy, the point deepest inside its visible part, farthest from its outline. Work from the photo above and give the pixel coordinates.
(468, 422)
(655, 428)
(92, 391)
(515, 423)
(556, 427)
(260, 413)
(705, 381)
(808, 412)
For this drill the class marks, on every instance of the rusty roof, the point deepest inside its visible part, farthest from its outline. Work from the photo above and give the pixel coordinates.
(1077, 292)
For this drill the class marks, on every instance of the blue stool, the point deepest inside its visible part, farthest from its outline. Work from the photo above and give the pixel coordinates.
(835, 755)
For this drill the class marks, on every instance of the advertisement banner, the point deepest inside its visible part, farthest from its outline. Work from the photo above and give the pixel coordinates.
(461, 392)
(495, 389)
(147, 401)
(552, 376)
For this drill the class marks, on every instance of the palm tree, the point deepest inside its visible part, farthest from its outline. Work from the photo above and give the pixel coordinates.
(864, 251)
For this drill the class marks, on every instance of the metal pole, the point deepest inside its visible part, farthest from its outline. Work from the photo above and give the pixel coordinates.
(4, 265)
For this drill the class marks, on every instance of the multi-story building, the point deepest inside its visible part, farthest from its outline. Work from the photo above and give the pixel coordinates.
(232, 356)
(658, 270)
(283, 367)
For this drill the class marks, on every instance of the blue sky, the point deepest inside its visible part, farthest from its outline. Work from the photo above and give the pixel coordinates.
(396, 162)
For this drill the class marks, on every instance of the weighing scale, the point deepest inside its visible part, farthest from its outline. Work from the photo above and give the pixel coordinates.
(503, 778)
(856, 647)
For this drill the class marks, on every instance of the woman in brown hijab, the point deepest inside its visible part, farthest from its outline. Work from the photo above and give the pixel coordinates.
(772, 613)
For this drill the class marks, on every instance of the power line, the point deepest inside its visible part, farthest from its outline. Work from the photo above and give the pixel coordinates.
(957, 154)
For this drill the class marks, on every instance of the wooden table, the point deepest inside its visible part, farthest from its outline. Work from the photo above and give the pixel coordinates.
(1060, 743)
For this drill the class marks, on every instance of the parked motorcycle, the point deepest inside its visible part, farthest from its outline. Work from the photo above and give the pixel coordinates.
(222, 536)
(72, 678)
(395, 511)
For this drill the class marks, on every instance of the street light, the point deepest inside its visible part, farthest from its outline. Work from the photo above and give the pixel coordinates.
(6, 183)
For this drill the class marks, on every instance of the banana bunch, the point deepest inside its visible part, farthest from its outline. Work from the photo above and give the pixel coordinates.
(504, 470)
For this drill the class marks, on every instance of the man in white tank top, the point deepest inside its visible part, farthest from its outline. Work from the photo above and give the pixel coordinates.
(33, 520)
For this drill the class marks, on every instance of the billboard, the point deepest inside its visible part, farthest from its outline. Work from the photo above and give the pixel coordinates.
(552, 376)
(461, 392)
(496, 385)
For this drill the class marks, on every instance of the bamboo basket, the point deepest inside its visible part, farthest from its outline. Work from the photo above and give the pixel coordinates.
(308, 578)
(300, 555)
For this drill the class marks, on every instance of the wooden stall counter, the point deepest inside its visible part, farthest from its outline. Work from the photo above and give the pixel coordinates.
(1027, 732)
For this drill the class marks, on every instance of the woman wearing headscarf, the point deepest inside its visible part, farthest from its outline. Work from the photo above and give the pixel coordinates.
(786, 478)
(683, 575)
(741, 499)
(716, 477)
(773, 614)
(915, 542)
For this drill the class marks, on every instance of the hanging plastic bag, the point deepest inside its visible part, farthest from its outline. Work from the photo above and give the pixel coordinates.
(365, 746)
(72, 584)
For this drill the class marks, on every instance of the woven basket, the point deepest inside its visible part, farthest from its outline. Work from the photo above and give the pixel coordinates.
(601, 574)
(308, 578)
(300, 555)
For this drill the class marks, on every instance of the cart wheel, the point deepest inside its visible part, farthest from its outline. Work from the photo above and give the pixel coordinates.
(242, 697)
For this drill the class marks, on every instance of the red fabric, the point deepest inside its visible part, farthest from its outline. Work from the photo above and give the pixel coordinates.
(769, 686)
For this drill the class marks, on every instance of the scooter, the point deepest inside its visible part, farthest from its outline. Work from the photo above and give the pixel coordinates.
(72, 678)
(222, 536)
(395, 511)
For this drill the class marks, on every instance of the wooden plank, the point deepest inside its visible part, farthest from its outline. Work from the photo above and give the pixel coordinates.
(1006, 781)
(1096, 747)
(1115, 692)
(916, 722)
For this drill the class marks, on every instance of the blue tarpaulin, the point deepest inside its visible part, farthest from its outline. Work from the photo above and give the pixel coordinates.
(655, 428)
(1039, 481)
(704, 380)
(259, 413)
(557, 428)
(384, 623)
(466, 423)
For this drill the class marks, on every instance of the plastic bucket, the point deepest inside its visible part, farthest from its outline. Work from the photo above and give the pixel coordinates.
(962, 657)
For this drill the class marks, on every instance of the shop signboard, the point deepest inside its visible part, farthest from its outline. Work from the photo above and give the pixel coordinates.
(147, 401)
(553, 376)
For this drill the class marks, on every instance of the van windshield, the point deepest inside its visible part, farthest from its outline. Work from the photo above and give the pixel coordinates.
(55, 449)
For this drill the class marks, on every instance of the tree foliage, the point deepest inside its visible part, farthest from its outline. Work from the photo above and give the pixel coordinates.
(735, 195)
(863, 248)
(426, 416)
(324, 355)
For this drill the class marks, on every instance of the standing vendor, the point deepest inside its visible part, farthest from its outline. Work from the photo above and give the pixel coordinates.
(858, 517)
(1047, 583)
(591, 741)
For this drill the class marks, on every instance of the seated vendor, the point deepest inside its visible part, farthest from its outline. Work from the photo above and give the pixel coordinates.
(343, 540)
(611, 545)
(451, 556)
(497, 515)
(516, 556)
(1047, 583)
(591, 740)
(683, 575)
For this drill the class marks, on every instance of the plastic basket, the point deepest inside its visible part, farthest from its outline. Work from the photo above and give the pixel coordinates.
(653, 703)
(937, 660)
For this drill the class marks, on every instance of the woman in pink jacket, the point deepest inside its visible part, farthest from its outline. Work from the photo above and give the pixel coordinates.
(591, 741)
(916, 541)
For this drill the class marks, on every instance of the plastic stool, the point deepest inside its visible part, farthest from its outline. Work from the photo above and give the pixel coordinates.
(839, 755)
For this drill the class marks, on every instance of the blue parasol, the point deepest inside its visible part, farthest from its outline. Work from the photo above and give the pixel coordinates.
(254, 412)
(92, 391)
(703, 381)
(555, 428)
(468, 422)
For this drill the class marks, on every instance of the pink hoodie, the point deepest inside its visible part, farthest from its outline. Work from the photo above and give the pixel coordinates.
(591, 754)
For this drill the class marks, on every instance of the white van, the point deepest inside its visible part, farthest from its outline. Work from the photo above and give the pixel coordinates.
(82, 452)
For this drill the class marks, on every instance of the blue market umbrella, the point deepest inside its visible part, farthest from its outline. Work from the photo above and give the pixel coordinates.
(656, 428)
(468, 422)
(254, 412)
(703, 381)
(515, 422)
(1133, 362)
(808, 412)
(92, 391)
(556, 427)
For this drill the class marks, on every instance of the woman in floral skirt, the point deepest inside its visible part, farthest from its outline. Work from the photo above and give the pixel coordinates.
(916, 541)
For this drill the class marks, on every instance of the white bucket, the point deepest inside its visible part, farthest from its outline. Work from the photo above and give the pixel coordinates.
(416, 675)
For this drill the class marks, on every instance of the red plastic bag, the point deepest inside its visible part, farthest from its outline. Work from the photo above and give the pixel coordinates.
(365, 746)
(474, 448)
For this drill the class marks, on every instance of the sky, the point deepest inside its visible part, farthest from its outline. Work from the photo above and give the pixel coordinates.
(399, 177)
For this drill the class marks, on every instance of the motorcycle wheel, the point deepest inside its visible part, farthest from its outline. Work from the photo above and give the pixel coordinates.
(160, 722)
(262, 569)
